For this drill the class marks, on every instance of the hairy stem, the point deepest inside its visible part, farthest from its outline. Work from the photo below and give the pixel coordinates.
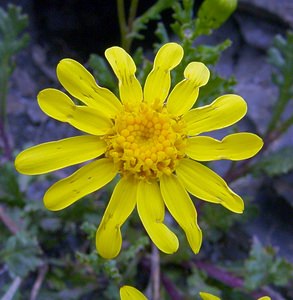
(132, 13)
(126, 26)
(122, 24)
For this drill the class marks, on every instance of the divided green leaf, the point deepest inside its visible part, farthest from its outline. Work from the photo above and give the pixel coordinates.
(277, 163)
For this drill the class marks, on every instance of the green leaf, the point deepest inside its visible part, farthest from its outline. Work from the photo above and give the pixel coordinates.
(183, 25)
(90, 229)
(210, 55)
(152, 13)
(216, 86)
(9, 189)
(277, 163)
(264, 267)
(12, 39)
(102, 72)
(280, 55)
(21, 253)
(132, 251)
(161, 33)
(197, 282)
(212, 14)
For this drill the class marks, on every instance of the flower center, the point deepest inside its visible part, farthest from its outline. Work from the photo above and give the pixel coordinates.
(146, 143)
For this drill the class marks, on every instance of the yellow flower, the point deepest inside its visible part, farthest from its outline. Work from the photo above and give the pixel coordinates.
(207, 296)
(150, 138)
(130, 293)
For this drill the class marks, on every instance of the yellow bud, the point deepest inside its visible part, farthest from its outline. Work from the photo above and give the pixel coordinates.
(213, 13)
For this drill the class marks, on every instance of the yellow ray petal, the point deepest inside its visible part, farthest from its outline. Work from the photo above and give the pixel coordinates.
(224, 111)
(207, 296)
(264, 298)
(130, 293)
(80, 83)
(56, 155)
(205, 184)
(151, 211)
(158, 82)
(84, 181)
(184, 94)
(182, 209)
(121, 204)
(235, 146)
(124, 68)
(59, 106)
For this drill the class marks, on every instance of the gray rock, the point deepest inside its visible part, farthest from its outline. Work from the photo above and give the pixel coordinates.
(257, 32)
(275, 10)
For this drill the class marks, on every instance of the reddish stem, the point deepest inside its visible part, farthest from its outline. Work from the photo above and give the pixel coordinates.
(171, 288)
(232, 281)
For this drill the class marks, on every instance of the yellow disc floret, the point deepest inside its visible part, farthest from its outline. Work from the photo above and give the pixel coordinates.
(145, 142)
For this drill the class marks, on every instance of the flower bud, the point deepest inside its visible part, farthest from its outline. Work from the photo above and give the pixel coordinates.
(213, 13)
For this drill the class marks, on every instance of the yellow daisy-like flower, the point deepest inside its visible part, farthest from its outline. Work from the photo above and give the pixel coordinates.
(207, 296)
(128, 292)
(150, 138)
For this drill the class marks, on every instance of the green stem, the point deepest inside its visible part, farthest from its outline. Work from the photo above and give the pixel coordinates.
(281, 105)
(122, 24)
(284, 95)
(3, 99)
(132, 13)
(285, 125)
(126, 27)
(3, 114)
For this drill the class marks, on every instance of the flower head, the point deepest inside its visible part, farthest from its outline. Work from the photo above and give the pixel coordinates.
(207, 296)
(150, 139)
(128, 292)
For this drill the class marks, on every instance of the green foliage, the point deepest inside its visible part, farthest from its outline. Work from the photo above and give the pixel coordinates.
(184, 26)
(197, 282)
(216, 86)
(153, 13)
(212, 14)
(264, 267)
(209, 55)
(217, 221)
(9, 188)
(74, 269)
(102, 72)
(280, 55)
(183, 15)
(276, 163)
(21, 254)
(12, 40)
